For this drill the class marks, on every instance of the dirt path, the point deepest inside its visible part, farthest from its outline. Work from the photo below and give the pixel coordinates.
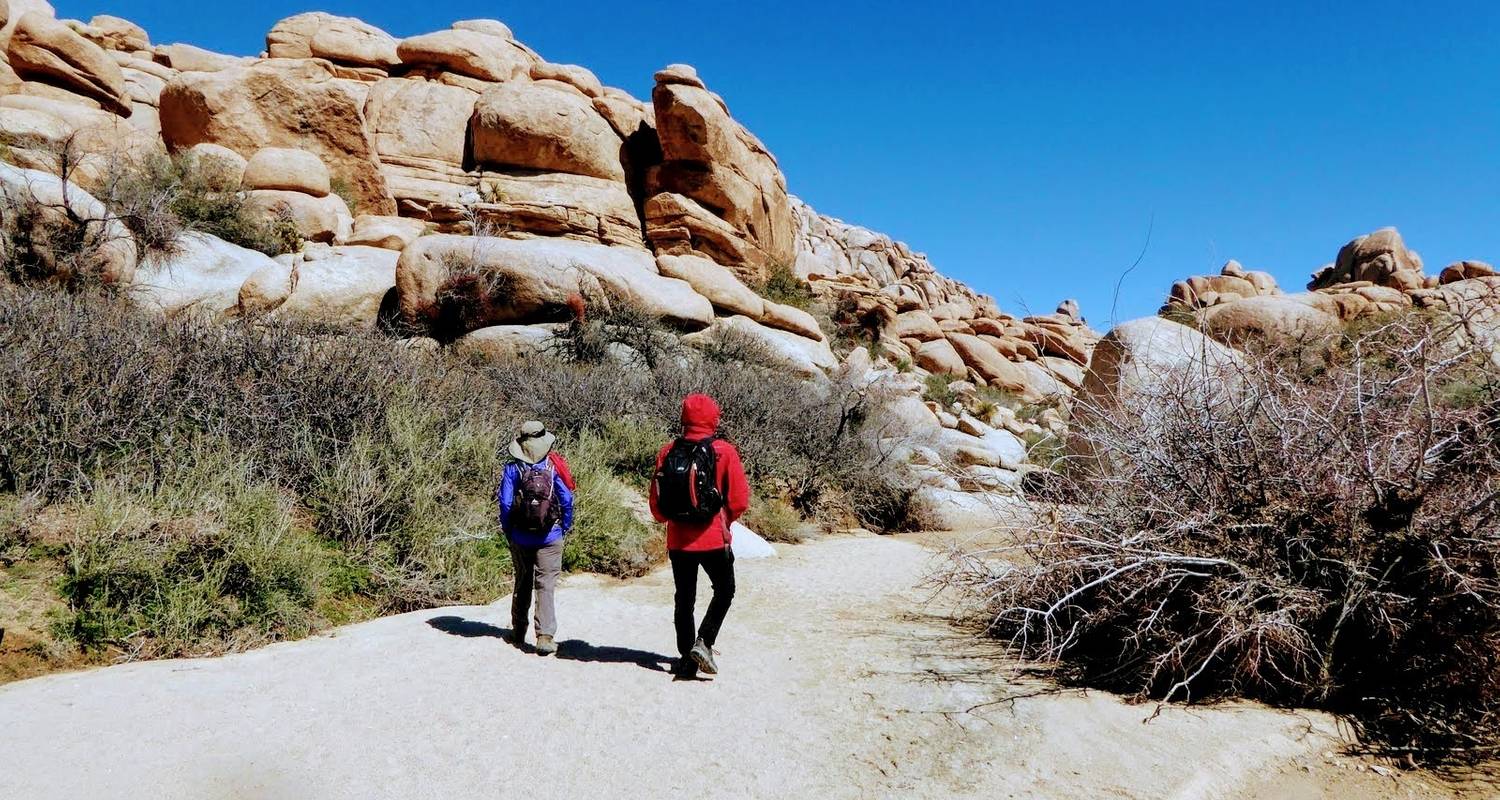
(837, 682)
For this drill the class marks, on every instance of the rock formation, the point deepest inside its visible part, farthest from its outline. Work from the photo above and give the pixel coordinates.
(461, 164)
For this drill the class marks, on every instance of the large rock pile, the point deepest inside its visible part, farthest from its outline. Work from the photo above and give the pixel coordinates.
(1373, 274)
(413, 167)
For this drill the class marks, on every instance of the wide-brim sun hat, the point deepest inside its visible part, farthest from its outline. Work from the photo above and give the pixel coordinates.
(533, 443)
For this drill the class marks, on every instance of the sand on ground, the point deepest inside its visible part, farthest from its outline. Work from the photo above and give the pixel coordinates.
(840, 678)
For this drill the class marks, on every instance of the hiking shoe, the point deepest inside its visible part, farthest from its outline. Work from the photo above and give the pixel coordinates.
(703, 656)
(685, 669)
(545, 646)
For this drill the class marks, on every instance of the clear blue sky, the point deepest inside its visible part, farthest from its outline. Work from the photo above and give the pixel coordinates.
(1026, 147)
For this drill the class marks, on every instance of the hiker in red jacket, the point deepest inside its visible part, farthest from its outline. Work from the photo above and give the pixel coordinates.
(699, 489)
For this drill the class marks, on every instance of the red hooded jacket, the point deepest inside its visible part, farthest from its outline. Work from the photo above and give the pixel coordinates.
(700, 420)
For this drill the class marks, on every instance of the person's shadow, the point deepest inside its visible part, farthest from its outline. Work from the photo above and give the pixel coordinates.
(568, 649)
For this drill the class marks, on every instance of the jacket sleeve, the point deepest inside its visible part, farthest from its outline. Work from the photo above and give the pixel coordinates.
(565, 494)
(561, 465)
(732, 478)
(505, 496)
(656, 512)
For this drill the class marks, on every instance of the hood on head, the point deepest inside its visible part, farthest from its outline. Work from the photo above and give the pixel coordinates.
(700, 416)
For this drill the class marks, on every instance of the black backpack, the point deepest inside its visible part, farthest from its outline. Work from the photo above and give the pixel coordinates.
(535, 509)
(686, 485)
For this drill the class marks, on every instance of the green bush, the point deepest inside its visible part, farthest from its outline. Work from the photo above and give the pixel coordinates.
(159, 197)
(936, 388)
(783, 286)
(612, 534)
(259, 481)
(776, 521)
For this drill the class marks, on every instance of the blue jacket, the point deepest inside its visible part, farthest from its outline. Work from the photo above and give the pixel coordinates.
(506, 496)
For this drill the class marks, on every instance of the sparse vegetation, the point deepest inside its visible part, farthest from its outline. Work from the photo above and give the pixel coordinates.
(783, 286)
(937, 388)
(1317, 533)
(776, 521)
(262, 481)
(159, 197)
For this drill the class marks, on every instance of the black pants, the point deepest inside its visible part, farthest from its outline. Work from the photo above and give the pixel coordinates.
(719, 564)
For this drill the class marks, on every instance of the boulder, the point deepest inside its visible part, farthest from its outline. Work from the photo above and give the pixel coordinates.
(714, 282)
(32, 129)
(1141, 363)
(413, 121)
(278, 103)
(507, 342)
(188, 58)
(1271, 319)
(711, 159)
(114, 33)
(219, 166)
(342, 40)
(44, 49)
(570, 74)
(529, 127)
(340, 286)
(791, 319)
(550, 204)
(58, 204)
(989, 479)
(289, 169)
(390, 233)
(1380, 258)
(990, 447)
(917, 325)
(680, 75)
(539, 275)
(993, 367)
(489, 27)
(318, 219)
(805, 357)
(1465, 270)
(467, 52)
(939, 357)
(206, 273)
(954, 510)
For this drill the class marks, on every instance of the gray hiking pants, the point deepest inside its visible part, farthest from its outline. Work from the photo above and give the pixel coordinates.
(536, 567)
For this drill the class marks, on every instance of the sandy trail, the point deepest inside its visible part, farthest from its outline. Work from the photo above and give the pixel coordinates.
(838, 681)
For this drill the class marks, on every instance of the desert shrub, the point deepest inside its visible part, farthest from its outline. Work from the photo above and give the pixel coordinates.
(341, 186)
(783, 286)
(45, 244)
(937, 388)
(1324, 538)
(160, 197)
(776, 521)
(734, 346)
(345, 474)
(236, 572)
(612, 533)
(615, 328)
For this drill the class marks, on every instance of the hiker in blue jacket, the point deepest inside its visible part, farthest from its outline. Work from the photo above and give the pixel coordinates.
(536, 512)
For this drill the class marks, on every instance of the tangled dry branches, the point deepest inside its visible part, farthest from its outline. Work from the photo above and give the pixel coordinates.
(1319, 527)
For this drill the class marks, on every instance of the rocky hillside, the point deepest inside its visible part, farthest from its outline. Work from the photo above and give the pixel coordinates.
(1372, 275)
(412, 168)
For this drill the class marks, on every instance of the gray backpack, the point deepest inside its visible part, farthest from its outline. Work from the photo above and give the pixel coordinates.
(535, 509)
